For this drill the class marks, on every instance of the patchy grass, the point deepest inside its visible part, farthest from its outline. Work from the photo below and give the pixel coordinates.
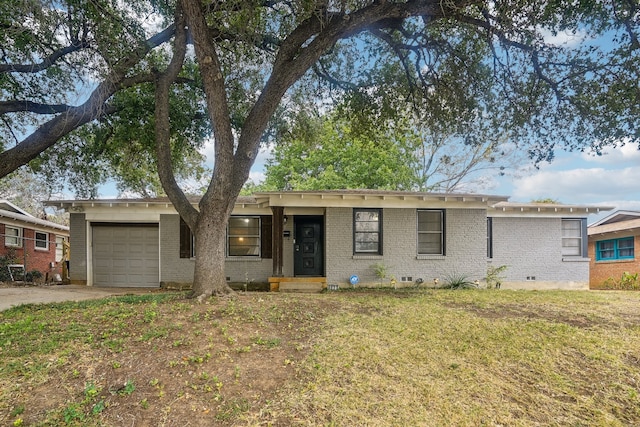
(385, 357)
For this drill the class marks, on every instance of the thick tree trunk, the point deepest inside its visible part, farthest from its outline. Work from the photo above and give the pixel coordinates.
(209, 277)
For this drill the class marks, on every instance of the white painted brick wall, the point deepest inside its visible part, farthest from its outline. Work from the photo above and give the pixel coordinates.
(532, 247)
(465, 247)
(176, 269)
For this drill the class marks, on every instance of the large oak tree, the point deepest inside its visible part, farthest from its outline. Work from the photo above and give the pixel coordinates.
(457, 61)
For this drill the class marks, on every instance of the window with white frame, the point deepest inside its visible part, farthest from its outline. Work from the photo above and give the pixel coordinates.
(431, 232)
(367, 231)
(12, 236)
(243, 236)
(572, 237)
(41, 241)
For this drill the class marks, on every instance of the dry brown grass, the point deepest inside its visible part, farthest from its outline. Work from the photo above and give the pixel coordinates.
(384, 358)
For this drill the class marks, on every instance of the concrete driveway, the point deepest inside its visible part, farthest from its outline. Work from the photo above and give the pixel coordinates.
(11, 297)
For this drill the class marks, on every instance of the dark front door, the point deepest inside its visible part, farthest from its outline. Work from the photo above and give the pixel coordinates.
(308, 251)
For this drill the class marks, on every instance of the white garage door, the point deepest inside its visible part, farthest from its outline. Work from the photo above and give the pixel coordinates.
(125, 256)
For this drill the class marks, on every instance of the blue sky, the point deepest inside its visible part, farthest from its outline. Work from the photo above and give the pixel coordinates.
(572, 178)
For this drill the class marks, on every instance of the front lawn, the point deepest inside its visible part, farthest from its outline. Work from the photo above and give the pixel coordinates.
(406, 357)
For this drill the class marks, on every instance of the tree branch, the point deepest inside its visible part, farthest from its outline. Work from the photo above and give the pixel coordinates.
(31, 107)
(46, 62)
(217, 105)
(162, 126)
(50, 132)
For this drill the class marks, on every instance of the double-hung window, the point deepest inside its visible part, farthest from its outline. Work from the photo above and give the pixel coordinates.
(431, 232)
(573, 237)
(367, 231)
(243, 236)
(246, 236)
(41, 241)
(13, 236)
(615, 249)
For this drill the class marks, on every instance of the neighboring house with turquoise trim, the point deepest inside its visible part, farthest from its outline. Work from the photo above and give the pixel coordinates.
(311, 239)
(614, 242)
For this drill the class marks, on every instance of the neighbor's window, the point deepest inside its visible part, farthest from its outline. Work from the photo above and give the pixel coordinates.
(609, 250)
(431, 236)
(42, 240)
(367, 231)
(572, 237)
(13, 236)
(59, 248)
(243, 236)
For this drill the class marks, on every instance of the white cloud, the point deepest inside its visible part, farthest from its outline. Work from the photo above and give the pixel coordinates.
(208, 151)
(563, 38)
(256, 177)
(585, 185)
(617, 156)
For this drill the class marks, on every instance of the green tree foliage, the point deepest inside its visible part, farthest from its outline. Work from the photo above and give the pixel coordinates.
(470, 65)
(325, 153)
(404, 153)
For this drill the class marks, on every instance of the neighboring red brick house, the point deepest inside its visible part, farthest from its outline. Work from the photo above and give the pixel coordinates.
(33, 242)
(612, 243)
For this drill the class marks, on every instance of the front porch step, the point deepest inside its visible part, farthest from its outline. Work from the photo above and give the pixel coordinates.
(303, 287)
(297, 284)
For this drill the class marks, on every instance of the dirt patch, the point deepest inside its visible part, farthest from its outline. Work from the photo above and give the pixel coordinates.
(170, 363)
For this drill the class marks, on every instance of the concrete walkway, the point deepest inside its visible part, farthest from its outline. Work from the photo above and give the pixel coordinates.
(11, 297)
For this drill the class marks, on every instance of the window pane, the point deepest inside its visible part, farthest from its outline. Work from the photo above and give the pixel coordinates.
(12, 237)
(571, 247)
(41, 240)
(430, 232)
(625, 248)
(59, 248)
(608, 245)
(430, 221)
(572, 237)
(366, 231)
(244, 246)
(430, 244)
(367, 247)
(606, 249)
(571, 228)
(244, 236)
(626, 253)
(625, 243)
(244, 226)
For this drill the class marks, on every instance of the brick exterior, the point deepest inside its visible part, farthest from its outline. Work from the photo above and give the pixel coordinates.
(465, 248)
(531, 248)
(42, 260)
(603, 270)
(180, 270)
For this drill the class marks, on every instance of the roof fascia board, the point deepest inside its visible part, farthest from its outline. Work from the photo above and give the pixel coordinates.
(14, 208)
(615, 214)
(336, 200)
(17, 220)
